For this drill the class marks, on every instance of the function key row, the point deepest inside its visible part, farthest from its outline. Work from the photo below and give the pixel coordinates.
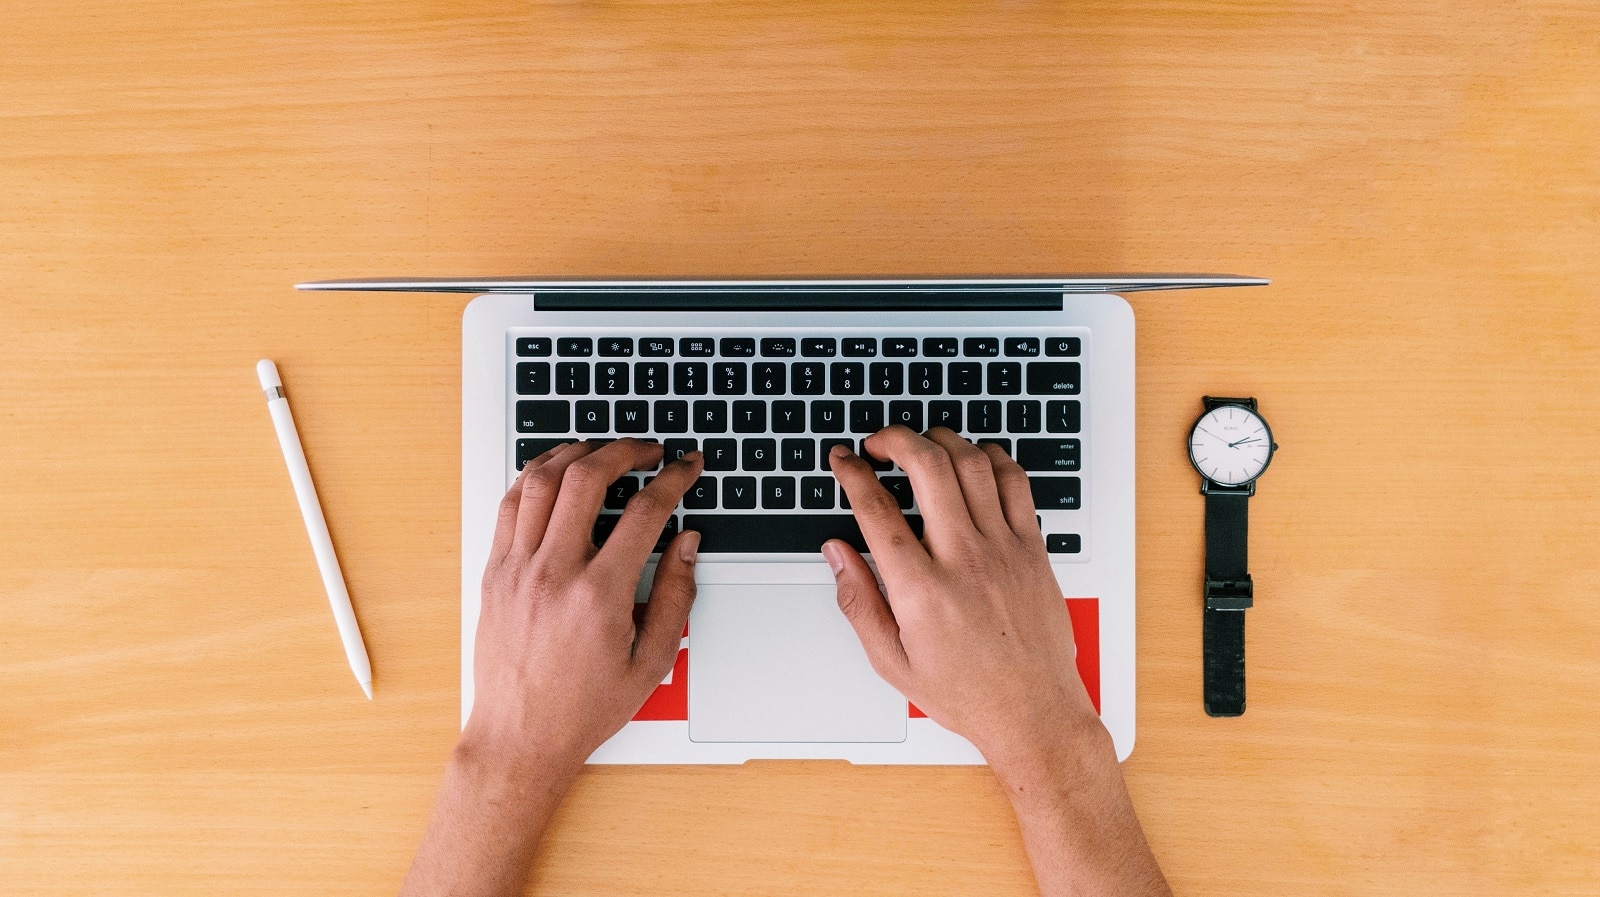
(809, 347)
(802, 378)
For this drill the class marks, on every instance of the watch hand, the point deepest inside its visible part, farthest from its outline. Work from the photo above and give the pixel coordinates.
(1241, 442)
(1209, 433)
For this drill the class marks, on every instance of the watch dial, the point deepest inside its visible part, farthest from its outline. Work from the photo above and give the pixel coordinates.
(1230, 445)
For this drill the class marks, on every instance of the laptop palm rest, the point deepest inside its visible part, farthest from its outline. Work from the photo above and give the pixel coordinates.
(780, 663)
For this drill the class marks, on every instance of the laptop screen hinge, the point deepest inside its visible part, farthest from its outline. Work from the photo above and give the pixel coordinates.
(781, 299)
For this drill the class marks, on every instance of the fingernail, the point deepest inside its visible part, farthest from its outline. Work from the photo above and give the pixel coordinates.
(840, 451)
(835, 558)
(688, 545)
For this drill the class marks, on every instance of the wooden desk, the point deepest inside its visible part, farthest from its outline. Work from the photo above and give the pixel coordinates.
(1422, 183)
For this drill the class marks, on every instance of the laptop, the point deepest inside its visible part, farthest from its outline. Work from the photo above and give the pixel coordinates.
(764, 377)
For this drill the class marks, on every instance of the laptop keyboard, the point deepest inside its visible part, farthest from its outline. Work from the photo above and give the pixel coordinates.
(766, 410)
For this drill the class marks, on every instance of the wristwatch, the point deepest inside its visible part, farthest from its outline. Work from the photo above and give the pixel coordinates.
(1230, 445)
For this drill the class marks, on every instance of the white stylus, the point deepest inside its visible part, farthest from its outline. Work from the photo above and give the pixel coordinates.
(316, 527)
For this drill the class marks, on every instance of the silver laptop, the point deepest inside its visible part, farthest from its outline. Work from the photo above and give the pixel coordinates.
(764, 377)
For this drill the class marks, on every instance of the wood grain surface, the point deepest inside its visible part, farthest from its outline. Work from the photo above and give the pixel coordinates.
(1421, 180)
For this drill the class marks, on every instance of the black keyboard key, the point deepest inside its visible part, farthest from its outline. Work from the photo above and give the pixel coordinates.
(655, 347)
(616, 346)
(866, 416)
(1054, 378)
(702, 495)
(899, 347)
(888, 378)
(945, 414)
(777, 347)
(1005, 378)
(872, 460)
(672, 416)
(711, 416)
(798, 454)
(1004, 443)
(1063, 416)
(778, 533)
(1022, 415)
(749, 417)
(572, 378)
(528, 449)
(859, 347)
(1049, 454)
(1063, 346)
(927, 378)
(939, 346)
(722, 454)
(818, 347)
(760, 454)
(966, 378)
(789, 416)
(547, 416)
(906, 413)
(689, 378)
(1022, 346)
(738, 493)
(816, 493)
(846, 377)
(533, 346)
(1055, 493)
(1063, 543)
(980, 346)
(603, 527)
(611, 378)
(533, 378)
(767, 378)
(593, 416)
(809, 378)
(632, 416)
(777, 493)
(697, 346)
(675, 449)
(738, 346)
(618, 493)
(574, 346)
(983, 416)
(650, 378)
(827, 417)
(728, 378)
(667, 531)
(900, 488)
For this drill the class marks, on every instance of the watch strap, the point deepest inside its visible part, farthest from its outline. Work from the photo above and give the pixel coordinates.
(1228, 592)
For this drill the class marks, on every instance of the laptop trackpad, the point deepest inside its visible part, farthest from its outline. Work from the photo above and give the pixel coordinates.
(780, 663)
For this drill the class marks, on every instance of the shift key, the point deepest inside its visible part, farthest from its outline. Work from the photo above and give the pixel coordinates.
(1048, 454)
(1055, 493)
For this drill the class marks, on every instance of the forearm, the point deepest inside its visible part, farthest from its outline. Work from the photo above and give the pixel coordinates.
(486, 826)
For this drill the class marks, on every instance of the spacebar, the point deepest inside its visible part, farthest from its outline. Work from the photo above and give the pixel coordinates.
(788, 533)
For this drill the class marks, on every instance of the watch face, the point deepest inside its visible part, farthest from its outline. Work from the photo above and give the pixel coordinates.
(1230, 445)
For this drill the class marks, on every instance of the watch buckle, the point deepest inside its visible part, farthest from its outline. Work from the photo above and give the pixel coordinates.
(1230, 594)
(1207, 487)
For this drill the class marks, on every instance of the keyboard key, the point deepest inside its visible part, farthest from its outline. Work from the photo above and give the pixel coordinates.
(1022, 346)
(1005, 378)
(907, 413)
(1063, 416)
(983, 416)
(1053, 378)
(574, 346)
(1022, 415)
(966, 378)
(873, 461)
(633, 416)
(899, 347)
(1054, 493)
(548, 416)
(888, 378)
(689, 378)
(528, 449)
(533, 346)
(767, 378)
(572, 378)
(778, 533)
(696, 346)
(675, 449)
(672, 416)
(760, 454)
(667, 531)
(604, 526)
(777, 347)
(738, 493)
(650, 378)
(827, 450)
(818, 347)
(980, 346)
(846, 377)
(939, 346)
(749, 417)
(722, 454)
(618, 493)
(616, 346)
(777, 492)
(738, 346)
(945, 414)
(798, 454)
(728, 378)
(702, 495)
(927, 378)
(900, 488)
(1048, 454)
(611, 378)
(789, 416)
(533, 378)
(810, 378)
(827, 417)
(866, 416)
(711, 416)
(594, 416)
(816, 493)
(1063, 543)
(859, 347)
(655, 347)
(1064, 346)
(1004, 443)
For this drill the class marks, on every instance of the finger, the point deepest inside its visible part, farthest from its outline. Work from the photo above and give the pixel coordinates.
(865, 606)
(541, 483)
(975, 474)
(933, 480)
(888, 536)
(505, 527)
(583, 490)
(631, 543)
(671, 596)
(1016, 498)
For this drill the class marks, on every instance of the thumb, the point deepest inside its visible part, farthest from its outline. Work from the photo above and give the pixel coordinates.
(671, 596)
(867, 610)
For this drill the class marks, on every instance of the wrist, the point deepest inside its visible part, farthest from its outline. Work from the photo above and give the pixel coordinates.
(1054, 761)
(516, 768)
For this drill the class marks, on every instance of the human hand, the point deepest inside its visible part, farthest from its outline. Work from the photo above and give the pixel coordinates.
(560, 665)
